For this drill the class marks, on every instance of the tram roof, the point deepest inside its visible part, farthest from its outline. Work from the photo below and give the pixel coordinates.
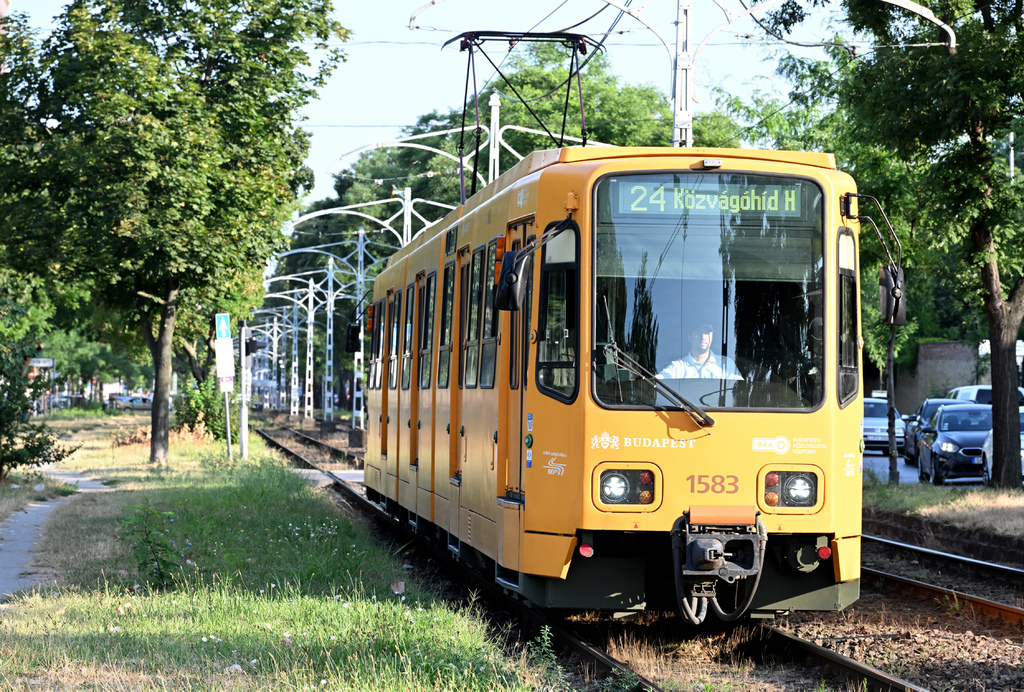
(544, 158)
(575, 154)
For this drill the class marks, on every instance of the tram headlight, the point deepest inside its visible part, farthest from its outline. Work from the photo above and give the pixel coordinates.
(789, 488)
(629, 486)
(800, 491)
(614, 488)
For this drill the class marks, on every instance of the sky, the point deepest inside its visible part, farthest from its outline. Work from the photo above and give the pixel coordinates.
(394, 73)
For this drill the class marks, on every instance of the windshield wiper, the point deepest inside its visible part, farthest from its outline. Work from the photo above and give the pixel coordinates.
(622, 359)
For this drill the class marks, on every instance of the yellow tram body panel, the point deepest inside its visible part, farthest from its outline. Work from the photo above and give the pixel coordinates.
(515, 474)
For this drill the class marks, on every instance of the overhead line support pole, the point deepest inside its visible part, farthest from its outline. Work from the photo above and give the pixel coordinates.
(682, 116)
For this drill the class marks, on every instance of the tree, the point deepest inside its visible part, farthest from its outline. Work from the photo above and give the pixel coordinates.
(22, 443)
(949, 113)
(153, 147)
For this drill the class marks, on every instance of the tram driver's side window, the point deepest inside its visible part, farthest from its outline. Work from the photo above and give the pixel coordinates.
(849, 336)
(558, 322)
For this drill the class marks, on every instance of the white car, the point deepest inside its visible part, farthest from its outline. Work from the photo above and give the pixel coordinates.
(986, 451)
(875, 426)
(979, 394)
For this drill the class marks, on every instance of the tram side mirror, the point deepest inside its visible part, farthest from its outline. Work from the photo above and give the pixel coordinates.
(352, 337)
(892, 296)
(510, 293)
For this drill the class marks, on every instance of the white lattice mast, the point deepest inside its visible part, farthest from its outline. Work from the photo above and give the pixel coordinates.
(357, 359)
(328, 391)
(310, 312)
(294, 403)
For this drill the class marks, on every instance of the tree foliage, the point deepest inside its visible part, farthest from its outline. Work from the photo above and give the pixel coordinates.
(22, 442)
(153, 147)
(946, 114)
(927, 127)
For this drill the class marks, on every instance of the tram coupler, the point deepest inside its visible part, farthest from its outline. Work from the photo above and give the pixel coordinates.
(719, 541)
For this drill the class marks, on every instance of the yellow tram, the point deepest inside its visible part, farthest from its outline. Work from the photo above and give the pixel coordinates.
(629, 378)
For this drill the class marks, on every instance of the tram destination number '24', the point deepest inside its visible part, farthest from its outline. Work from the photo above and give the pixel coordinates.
(714, 484)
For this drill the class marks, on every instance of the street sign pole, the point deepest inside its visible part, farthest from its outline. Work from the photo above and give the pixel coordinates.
(225, 367)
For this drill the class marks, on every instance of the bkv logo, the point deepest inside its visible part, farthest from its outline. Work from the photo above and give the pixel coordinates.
(779, 445)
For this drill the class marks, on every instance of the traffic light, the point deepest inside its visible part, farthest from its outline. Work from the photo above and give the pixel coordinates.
(352, 337)
(252, 345)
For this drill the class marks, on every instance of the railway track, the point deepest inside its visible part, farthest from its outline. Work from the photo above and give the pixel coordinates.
(778, 643)
(983, 571)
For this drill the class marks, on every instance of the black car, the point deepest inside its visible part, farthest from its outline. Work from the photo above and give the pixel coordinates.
(914, 422)
(950, 443)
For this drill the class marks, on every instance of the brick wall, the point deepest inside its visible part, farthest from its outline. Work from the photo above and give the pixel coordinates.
(941, 365)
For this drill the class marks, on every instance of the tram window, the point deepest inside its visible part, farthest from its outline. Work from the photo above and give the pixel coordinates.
(734, 261)
(378, 346)
(527, 316)
(513, 341)
(426, 329)
(558, 327)
(473, 329)
(393, 321)
(410, 293)
(380, 329)
(489, 342)
(463, 311)
(444, 348)
(849, 338)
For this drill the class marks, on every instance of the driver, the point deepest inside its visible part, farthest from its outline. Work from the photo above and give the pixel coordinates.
(701, 362)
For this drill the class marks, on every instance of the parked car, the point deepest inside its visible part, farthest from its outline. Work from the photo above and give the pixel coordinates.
(986, 451)
(914, 421)
(875, 426)
(950, 443)
(114, 402)
(979, 394)
(131, 404)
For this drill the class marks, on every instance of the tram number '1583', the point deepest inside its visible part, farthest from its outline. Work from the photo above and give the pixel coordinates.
(714, 484)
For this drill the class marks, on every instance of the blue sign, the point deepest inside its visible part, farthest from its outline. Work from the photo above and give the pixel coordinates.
(223, 325)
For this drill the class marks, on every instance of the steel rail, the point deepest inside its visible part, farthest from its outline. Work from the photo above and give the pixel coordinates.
(350, 457)
(873, 678)
(1013, 573)
(537, 619)
(1002, 610)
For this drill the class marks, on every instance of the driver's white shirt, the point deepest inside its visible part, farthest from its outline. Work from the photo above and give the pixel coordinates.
(710, 369)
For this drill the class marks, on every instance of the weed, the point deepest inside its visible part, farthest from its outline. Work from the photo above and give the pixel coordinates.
(154, 548)
(621, 681)
(140, 436)
(542, 653)
(951, 604)
(65, 490)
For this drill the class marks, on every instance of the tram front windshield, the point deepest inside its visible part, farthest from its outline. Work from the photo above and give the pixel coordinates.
(712, 282)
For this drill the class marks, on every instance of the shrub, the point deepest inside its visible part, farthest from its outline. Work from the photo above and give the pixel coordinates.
(202, 407)
(23, 443)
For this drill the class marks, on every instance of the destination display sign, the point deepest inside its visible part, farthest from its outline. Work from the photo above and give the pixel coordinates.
(707, 196)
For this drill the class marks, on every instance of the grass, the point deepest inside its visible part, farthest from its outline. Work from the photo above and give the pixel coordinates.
(969, 507)
(272, 588)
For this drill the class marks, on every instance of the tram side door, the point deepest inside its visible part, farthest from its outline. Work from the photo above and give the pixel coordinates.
(456, 441)
(511, 497)
(392, 450)
(407, 409)
(423, 379)
(519, 345)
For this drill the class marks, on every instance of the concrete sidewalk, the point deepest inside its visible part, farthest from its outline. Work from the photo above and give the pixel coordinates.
(19, 534)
